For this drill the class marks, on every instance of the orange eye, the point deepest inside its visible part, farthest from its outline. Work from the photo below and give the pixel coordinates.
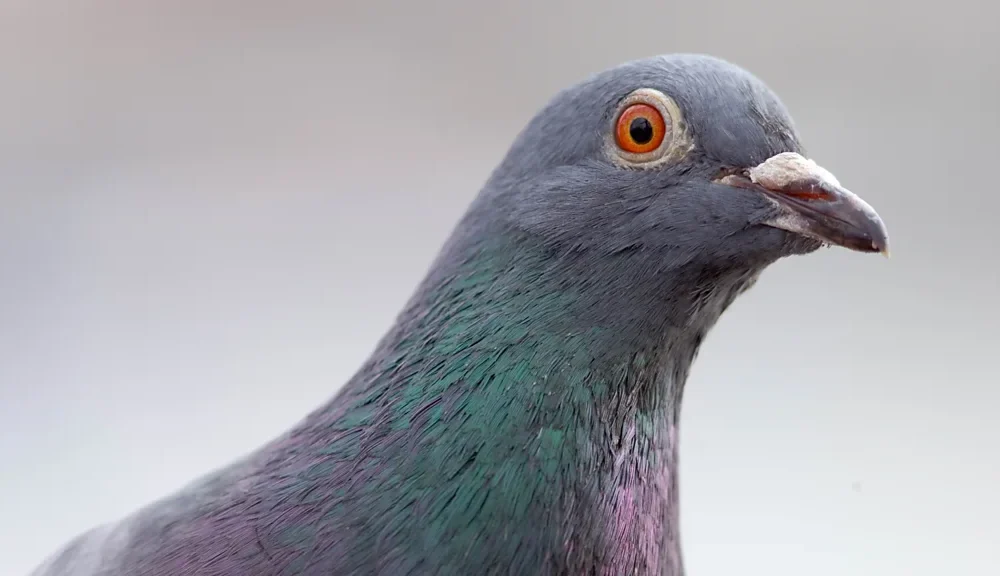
(640, 129)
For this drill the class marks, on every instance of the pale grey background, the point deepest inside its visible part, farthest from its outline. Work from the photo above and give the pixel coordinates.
(210, 211)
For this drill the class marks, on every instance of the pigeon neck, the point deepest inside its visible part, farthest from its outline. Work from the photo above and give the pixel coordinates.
(539, 408)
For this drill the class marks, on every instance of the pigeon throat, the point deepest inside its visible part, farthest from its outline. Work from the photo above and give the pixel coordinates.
(505, 402)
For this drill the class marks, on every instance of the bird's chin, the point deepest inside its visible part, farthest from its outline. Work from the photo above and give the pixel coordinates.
(770, 244)
(799, 245)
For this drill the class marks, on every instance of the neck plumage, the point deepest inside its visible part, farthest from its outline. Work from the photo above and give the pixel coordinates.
(525, 414)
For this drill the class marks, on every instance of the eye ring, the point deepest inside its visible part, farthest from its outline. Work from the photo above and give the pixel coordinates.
(647, 130)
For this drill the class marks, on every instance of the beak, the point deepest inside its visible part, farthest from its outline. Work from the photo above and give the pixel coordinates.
(813, 203)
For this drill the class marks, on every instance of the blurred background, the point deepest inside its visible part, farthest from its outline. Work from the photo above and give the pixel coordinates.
(210, 211)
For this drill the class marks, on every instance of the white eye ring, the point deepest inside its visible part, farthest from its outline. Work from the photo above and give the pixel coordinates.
(675, 142)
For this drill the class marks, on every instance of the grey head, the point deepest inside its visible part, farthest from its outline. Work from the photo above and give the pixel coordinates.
(685, 158)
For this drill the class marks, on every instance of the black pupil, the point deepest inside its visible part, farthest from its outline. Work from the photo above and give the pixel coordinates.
(640, 130)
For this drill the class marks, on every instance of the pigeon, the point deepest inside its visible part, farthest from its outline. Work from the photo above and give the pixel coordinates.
(521, 415)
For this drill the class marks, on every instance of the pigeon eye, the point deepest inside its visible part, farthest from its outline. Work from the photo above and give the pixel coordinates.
(640, 129)
(646, 131)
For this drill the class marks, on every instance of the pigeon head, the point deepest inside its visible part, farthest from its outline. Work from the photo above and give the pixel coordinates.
(684, 159)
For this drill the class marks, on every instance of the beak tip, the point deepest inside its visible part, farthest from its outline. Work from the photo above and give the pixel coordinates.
(880, 239)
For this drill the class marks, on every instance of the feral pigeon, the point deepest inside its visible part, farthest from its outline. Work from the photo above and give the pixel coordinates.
(521, 415)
